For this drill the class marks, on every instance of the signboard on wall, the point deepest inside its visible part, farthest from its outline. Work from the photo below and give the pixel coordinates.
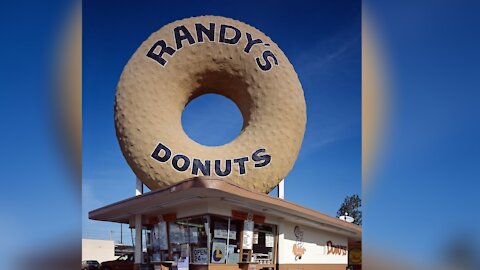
(298, 247)
(244, 216)
(335, 249)
(355, 256)
(308, 245)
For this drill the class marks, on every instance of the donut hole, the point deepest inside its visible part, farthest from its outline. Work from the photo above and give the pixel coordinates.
(212, 120)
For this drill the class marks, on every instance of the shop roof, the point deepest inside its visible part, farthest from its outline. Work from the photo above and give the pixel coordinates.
(195, 190)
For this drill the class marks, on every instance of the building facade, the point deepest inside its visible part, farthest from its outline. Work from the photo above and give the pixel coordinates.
(207, 223)
(98, 250)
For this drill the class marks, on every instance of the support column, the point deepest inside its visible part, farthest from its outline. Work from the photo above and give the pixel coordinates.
(281, 242)
(138, 241)
(139, 187)
(138, 229)
(281, 189)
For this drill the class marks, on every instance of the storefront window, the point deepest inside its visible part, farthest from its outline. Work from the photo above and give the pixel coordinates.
(198, 240)
(188, 238)
(263, 244)
(212, 240)
(158, 242)
(258, 243)
(178, 239)
(225, 247)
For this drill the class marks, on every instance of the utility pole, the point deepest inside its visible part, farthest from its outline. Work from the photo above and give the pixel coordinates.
(121, 233)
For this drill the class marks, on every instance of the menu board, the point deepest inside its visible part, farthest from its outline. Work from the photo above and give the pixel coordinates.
(247, 234)
(200, 255)
(269, 240)
(221, 231)
(255, 238)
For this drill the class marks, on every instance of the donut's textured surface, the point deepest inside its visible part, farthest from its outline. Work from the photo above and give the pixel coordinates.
(150, 99)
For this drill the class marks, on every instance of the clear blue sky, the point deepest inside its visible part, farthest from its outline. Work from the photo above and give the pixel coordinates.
(39, 202)
(424, 197)
(323, 42)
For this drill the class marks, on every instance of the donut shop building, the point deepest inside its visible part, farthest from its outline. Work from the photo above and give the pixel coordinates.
(208, 223)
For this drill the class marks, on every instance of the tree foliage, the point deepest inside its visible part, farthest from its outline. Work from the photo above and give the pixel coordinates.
(351, 205)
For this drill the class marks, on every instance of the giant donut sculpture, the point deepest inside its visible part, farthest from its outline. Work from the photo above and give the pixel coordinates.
(196, 56)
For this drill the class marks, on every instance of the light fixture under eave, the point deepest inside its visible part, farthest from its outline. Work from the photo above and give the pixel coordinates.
(346, 218)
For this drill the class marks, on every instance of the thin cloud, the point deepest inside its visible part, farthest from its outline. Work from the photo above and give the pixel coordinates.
(319, 136)
(326, 52)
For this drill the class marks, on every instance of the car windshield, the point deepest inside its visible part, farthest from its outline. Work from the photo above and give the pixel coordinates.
(92, 262)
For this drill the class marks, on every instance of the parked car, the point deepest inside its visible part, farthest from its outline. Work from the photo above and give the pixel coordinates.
(90, 265)
(124, 262)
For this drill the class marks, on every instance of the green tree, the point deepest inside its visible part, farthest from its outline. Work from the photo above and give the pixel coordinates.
(351, 205)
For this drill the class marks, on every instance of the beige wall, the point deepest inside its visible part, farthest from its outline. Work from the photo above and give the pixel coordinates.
(100, 250)
(314, 242)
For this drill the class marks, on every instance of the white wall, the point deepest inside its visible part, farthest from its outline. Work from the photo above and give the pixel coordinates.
(100, 250)
(314, 242)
